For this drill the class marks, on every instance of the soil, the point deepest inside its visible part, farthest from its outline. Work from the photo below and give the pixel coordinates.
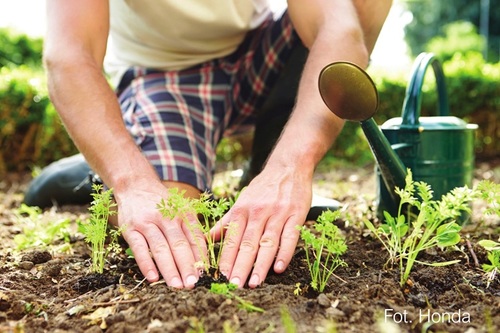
(50, 289)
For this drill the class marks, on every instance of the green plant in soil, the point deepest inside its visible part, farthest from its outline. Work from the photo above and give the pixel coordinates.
(211, 210)
(95, 229)
(227, 290)
(406, 235)
(324, 245)
(493, 250)
(36, 231)
(208, 210)
(287, 321)
(490, 193)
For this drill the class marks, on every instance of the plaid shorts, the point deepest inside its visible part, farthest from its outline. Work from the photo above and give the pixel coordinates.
(177, 118)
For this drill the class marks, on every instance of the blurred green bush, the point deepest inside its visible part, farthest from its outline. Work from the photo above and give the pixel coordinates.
(30, 130)
(18, 49)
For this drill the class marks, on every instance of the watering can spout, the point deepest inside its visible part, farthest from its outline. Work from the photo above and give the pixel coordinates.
(349, 92)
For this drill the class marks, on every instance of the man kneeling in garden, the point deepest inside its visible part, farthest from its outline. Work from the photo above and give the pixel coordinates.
(186, 73)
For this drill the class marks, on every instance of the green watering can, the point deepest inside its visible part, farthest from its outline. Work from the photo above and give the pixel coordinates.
(439, 150)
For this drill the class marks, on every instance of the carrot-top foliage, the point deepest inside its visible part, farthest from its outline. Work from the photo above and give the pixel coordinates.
(324, 244)
(95, 228)
(208, 210)
(422, 223)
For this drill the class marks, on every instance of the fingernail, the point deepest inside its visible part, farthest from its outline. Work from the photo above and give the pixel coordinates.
(254, 281)
(176, 283)
(151, 276)
(235, 281)
(191, 280)
(280, 266)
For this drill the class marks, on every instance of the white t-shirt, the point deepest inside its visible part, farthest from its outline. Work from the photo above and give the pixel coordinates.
(176, 34)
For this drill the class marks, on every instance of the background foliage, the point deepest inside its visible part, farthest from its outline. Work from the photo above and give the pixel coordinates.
(30, 131)
(430, 19)
(19, 49)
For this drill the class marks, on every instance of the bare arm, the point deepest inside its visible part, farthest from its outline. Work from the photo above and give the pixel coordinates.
(333, 30)
(75, 46)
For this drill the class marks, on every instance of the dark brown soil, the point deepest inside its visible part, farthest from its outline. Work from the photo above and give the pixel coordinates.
(50, 289)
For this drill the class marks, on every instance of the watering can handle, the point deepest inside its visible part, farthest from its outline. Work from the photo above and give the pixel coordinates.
(413, 98)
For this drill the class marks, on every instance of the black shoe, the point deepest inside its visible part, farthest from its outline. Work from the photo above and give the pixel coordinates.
(66, 181)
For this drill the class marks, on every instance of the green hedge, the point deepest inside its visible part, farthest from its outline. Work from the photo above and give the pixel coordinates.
(19, 49)
(30, 130)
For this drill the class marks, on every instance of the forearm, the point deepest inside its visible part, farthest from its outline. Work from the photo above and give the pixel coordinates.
(89, 109)
(312, 127)
(333, 30)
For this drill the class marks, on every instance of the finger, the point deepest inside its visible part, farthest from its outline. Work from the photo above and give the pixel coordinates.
(142, 256)
(268, 246)
(160, 250)
(247, 252)
(218, 230)
(196, 239)
(181, 250)
(289, 238)
(236, 223)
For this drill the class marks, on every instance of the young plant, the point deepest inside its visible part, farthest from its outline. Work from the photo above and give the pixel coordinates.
(434, 224)
(490, 192)
(287, 321)
(36, 231)
(227, 289)
(96, 227)
(491, 269)
(208, 209)
(323, 247)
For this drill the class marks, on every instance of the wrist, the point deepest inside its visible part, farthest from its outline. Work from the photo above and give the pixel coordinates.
(297, 160)
(137, 175)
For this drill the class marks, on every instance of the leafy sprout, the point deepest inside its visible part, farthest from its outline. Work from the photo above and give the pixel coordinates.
(493, 250)
(36, 231)
(95, 228)
(227, 290)
(434, 225)
(324, 245)
(208, 209)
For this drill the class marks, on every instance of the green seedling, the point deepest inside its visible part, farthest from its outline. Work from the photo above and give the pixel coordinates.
(490, 193)
(196, 325)
(287, 321)
(491, 269)
(323, 247)
(435, 224)
(211, 210)
(208, 210)
(95, 229)
(227, 290)
(36, 231)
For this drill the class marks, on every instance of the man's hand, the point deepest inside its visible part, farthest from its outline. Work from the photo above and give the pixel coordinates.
(261, 227)
(157, 242)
